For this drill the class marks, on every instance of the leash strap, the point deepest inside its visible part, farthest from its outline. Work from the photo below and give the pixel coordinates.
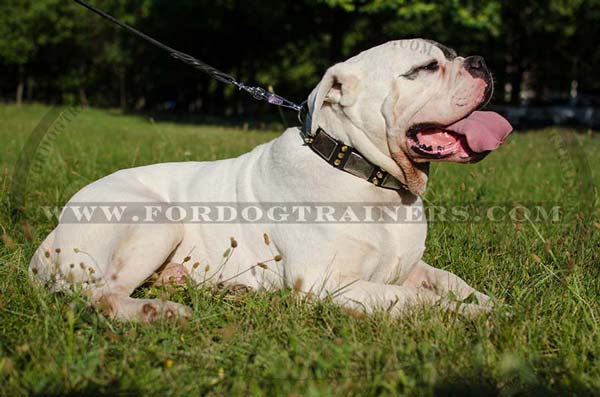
(258, 93)
(336, 153)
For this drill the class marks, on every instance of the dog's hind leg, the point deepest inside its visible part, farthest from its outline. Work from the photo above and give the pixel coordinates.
(140, 251)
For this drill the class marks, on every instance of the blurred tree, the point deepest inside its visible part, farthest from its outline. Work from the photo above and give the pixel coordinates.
(536, 36)
(21, 36)
(54, 50)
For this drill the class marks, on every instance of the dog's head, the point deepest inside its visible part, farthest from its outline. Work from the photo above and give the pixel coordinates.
(407, 103)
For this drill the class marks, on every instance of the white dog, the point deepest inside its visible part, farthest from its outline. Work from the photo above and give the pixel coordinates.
(375, 123)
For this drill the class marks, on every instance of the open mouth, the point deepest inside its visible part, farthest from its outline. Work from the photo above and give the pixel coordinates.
(478, 132)
(436, 142)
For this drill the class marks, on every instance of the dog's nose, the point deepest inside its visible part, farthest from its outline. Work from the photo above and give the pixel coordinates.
(476, 66)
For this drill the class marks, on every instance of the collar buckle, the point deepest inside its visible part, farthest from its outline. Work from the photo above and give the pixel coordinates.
(347, 159)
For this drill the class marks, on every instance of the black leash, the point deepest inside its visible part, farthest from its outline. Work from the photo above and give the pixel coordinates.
(257, 92)
(335, 152)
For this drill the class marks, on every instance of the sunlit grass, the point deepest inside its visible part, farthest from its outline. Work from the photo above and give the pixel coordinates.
(544, 339)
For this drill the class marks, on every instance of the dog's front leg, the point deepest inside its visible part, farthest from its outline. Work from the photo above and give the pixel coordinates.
(397, 299)
(370, 296)
(443, 283)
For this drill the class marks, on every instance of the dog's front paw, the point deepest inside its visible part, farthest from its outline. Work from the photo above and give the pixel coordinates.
(469, 310)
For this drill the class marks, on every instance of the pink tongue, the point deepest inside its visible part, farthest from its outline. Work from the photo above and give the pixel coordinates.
(484, 131)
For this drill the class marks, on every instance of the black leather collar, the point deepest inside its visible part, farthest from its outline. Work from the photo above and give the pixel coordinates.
(346, 158)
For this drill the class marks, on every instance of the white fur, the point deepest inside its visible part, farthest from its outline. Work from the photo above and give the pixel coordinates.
(363, 102)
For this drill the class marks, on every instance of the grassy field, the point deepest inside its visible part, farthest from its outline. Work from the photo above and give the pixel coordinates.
(544, 340)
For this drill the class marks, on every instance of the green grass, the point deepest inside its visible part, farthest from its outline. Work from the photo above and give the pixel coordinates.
(544, 340)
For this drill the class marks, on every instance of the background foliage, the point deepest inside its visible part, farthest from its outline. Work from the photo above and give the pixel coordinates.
(56, 51)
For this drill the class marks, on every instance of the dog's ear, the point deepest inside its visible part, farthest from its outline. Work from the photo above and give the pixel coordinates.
(338, 86)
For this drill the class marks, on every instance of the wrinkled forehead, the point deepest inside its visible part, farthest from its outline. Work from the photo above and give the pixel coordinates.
(409, 51)
(449, 53)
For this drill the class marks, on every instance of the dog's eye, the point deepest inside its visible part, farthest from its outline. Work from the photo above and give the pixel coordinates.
(431, 67)
(414, 72)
